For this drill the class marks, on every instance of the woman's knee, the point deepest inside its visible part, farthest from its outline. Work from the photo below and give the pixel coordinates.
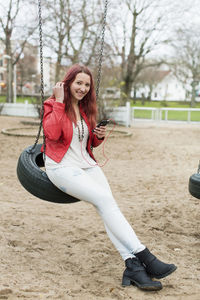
(106, 204)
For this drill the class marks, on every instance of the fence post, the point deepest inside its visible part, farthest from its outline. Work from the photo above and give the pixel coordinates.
(157, 114)
(152, 115)
(128, 114)
(132, 114)
(166, 115)
(160, 114)
(189, 115)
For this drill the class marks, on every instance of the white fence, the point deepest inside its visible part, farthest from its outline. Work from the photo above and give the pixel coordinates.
(19, 109)
(121, 115)
(188, 110)
(154, 112)
(124, 115)
(157, 113)
(127, 115)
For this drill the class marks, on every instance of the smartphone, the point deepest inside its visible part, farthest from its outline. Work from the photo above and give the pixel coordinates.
(102, 123)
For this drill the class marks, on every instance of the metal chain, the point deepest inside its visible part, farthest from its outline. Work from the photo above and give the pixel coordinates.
(41, 66)
(101, 50)
(41, 77)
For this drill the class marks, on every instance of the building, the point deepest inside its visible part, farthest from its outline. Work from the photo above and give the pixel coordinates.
(27, 72)
(48, 74)
(162, 85)
(169, 88)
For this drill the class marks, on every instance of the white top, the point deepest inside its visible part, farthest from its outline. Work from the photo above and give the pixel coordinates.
(76, 154)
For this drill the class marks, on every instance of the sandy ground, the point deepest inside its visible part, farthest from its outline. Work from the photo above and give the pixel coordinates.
(54, 251)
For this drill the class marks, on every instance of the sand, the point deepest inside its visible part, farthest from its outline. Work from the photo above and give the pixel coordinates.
(56, 251)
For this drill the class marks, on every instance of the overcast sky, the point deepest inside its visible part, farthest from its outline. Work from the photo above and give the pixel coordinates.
(179, 18)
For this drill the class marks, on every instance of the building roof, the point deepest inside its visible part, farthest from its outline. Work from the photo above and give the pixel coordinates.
(154, 75)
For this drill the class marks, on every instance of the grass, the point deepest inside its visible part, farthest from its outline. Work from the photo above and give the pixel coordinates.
(20, 99)
(172, 115)
(173, 104)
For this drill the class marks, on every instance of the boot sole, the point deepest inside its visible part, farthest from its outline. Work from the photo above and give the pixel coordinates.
(127, 282)
(164, 275)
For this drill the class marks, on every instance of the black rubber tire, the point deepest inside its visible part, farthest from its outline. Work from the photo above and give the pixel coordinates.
(194, 185)
(36, 181)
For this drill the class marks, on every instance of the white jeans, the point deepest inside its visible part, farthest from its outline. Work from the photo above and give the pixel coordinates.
(92, 186)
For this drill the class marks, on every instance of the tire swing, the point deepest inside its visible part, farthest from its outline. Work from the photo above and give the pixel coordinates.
(194, 184)
(30, 162)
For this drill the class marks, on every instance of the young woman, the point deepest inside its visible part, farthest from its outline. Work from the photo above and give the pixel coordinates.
(69, 120)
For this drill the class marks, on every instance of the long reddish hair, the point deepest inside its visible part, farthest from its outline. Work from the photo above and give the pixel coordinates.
(88, 103)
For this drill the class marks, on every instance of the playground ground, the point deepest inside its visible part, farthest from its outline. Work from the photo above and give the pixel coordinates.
(52, 251)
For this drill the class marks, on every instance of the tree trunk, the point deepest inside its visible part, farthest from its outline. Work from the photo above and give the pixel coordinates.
(192, 103)
(9, 82)
(58, 64)
(131, 60)
(143, 99)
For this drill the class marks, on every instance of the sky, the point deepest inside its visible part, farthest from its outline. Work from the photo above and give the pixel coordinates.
(180, 14)
(184, 13)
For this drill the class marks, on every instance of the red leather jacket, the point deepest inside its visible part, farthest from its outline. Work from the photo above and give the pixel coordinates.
(58, 131)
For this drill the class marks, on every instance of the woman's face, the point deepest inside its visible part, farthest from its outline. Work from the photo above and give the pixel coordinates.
(80, 86)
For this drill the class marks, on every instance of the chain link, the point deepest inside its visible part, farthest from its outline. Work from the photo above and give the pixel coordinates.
(101, 50)
(41, 78)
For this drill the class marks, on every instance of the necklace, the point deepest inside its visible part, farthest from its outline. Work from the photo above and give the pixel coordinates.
(81, 134)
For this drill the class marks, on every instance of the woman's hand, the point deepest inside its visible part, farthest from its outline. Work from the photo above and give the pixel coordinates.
(58, 91)
(100, 132)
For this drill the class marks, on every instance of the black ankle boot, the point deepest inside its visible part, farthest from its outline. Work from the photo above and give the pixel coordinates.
(135, 273)
(154, 267)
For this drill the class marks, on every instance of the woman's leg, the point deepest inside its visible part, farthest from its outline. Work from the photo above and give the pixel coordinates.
(153, 266)
(102, 180)
(97, 174)
(84, 185)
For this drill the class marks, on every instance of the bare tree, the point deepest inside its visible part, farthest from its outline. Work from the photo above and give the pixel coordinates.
(187, 60)
(144, 27)
(14, 34)
(73, 31)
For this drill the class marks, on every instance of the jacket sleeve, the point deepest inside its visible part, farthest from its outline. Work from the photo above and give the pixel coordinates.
(95, 141)
(52, 119)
